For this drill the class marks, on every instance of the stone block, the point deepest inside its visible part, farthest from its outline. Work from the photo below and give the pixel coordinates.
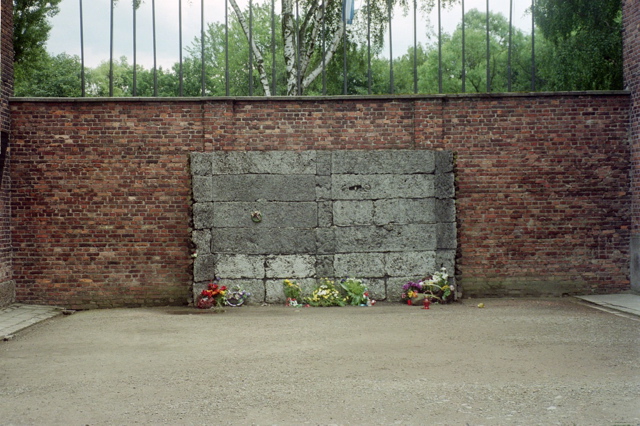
(203, 215)
(323, 163)
(388, 238)
(263, 240)
(239, 266)
(323, 188)
(325, 214)
(290, 266)
(324, 266)
(445, 210)
(202, 241)
(377, 288)
(264, 162)
(200, 163)
(353, 212)
(273, 215)
(404, 211)
(408, 263)
(383, 162)
(359, 265)
(204, 267)
(325, 240)
(375, 187)
(444, 185)
(446, 236)
(447, 259)
(251, 188)
(443, 161)
(202, 188)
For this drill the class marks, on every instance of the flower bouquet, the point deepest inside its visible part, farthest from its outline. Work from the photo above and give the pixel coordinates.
(357, 292)
(438, 289)
(214, 296)
(326, 294)
(292, 291)
(237, 296)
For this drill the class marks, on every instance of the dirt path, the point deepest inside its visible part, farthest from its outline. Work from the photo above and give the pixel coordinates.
(514, 362)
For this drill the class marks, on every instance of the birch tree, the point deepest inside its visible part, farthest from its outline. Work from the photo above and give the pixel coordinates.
(313, 30)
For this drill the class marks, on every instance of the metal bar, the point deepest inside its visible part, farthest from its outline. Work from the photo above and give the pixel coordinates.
(155, 51)
(415, 47)
(533, 45)
(488, 53)
(274, 73)
(439, 47)
(82, 77)
(202, 74)
(391, 85)
(324, 48)
(226, 47)
(180, 89)
(298, 77)
(250, 47)
(344, 48)
(464, 56)
(135, 50)
(111, 53)
(369, 46)
(510, 43)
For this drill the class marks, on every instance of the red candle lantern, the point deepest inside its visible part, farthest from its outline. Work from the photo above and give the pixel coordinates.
(426, 302)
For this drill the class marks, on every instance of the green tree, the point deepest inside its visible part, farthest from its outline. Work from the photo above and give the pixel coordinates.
(31, 27)
(49, 76)
(585, 51)
(476, 57)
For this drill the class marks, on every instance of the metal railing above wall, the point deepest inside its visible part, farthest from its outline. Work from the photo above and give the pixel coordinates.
(367, 35)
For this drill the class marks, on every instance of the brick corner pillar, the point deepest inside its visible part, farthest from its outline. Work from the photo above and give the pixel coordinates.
(631, 53)
(7, 284)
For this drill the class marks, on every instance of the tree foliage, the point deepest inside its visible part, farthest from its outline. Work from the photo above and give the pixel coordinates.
(31, 27)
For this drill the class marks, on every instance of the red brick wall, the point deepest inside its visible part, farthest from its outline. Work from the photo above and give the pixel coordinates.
(101, 188)
(6, 90)
(631, 40)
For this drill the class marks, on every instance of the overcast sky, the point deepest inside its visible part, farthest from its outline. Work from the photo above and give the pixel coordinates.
(65, 35)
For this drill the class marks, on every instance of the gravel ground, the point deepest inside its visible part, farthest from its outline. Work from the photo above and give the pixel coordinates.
(515, 362)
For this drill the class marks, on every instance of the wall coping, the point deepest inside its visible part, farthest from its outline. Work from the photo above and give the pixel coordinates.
(326, 98)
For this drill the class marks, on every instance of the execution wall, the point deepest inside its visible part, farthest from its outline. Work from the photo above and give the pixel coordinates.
(102, 199)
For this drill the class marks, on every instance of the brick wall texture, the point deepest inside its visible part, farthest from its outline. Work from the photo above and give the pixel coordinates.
(6, 90)
(101, 192)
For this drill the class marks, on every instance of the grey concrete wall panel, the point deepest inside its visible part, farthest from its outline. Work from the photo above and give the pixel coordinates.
(204, 267)
(359, 265)
(415, 264)
(200, 164)
(353, 213)
(263, 187)
(386, 216)
(273, 215)
(290, 266)
(375, 187)
(389, 238)
(264, 162)
(239, 266)
(444, 161)
(202, 188)
(203, 215)
(383, 162)
(263, 241)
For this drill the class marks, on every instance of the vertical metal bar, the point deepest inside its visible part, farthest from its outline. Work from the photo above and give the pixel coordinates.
(298, 41)
(510, 43)
(274, 73)
(82, 77)
(180, 90)
(369, 46)
(439, 47)
(155, 51)
(324, 48)
(464, 56)
(391, 85)
(226, 48)
(135, 50)
(250, 47)
(344, 48)
(533, 45)
(111, 53)
(488, 53)
(415, 47)
(202, 88)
